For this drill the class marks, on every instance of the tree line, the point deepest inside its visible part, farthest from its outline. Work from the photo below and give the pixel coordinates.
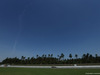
(50, 59)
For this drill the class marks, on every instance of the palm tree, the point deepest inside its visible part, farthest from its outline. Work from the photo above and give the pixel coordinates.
(70, 56)
(28, 58)
(90, 56)
(43, 56)
(76, 56)
(37, 56)
(84, 56)
(96, 55)
(48, 55)
(87, 56)
(62, 55)
(51, 55)
(22, 58)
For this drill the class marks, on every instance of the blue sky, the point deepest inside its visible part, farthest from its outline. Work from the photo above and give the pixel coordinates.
(30, 27)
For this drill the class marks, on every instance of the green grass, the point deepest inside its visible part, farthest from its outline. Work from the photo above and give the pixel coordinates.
(33, 71)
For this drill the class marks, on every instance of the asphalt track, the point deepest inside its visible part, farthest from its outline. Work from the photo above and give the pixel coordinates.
(96, 66)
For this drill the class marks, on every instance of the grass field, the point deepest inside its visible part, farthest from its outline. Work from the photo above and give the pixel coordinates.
(36, 71)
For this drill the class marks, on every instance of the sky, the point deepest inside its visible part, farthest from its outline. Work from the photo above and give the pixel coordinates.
(31, 27)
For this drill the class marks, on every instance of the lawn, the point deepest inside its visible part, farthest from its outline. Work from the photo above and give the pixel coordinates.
(33, 71)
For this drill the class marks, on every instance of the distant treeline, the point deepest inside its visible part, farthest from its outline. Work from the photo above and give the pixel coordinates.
(50, 59)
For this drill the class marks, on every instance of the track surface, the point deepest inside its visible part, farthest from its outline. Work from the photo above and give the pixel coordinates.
(96, 66)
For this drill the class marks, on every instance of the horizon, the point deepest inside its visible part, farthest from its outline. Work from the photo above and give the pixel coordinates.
(28, 27)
